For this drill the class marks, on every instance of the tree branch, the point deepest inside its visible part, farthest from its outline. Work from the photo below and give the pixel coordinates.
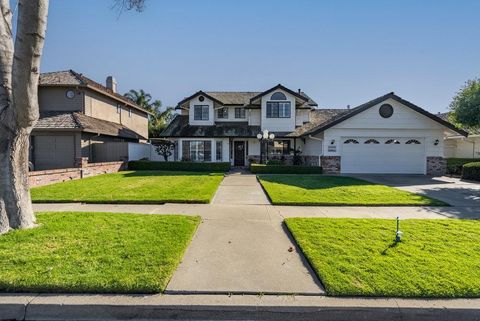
(31, 28)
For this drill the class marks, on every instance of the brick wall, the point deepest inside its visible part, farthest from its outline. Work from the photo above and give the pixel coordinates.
(436, 166)
(84, 169)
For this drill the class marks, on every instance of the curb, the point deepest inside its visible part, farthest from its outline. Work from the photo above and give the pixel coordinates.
(234, 307)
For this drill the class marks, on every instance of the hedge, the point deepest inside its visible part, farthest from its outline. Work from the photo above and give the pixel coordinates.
(179, 166)
(471, 171)
(284, 169)
(454, 165)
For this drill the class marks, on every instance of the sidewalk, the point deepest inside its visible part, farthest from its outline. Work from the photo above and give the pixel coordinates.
(234, 307)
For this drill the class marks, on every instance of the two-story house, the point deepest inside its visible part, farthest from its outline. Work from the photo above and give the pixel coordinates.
(385, 135)
(75, 114)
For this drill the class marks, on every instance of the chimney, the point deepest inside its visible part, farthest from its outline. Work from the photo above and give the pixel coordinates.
(111, 84)
(299, 91)
(348, 106)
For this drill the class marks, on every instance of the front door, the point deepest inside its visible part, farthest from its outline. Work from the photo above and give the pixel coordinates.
(239, 153)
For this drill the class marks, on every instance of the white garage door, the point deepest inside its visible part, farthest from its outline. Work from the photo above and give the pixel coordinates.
(383, 155)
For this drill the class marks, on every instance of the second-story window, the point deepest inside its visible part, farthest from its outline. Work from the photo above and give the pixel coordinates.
(239, 112)
(278, 109)
(222, 113)
(200, 112)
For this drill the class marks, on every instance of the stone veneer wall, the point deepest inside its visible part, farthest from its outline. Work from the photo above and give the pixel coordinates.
(84, 169)
(330, 164)
(306, 160)
(436, 166)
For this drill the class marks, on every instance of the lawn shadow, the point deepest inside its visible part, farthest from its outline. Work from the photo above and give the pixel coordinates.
(150, 173)
(314, 182)
(392, 245)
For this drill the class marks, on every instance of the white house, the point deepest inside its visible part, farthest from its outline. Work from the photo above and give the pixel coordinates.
(385, 135)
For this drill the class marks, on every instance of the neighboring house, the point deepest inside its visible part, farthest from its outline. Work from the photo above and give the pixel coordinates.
(385, 135)
(76, 114)
(460, 146)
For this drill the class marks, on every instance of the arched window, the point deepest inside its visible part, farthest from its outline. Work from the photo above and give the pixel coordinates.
(278, 96)
(413, 141)
(392, 141)
(372, 141)
(351, 141)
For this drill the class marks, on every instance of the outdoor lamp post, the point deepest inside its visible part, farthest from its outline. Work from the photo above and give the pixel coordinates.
(265, 137)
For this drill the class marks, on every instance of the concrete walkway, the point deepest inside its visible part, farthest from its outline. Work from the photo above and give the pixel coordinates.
(240, 189)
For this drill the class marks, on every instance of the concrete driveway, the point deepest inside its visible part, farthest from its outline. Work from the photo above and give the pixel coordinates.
(451, 190)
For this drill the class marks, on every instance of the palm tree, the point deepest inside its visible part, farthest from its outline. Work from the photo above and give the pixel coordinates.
(160, 119)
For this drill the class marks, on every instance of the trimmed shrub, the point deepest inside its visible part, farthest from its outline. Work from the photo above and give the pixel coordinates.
(284, 169)
(454, 165)
(471, 171)
(179, 166)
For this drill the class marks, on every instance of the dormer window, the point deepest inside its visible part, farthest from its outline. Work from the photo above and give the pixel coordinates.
(222, 113)
(200, 112)
(278, 108)
(240, 112)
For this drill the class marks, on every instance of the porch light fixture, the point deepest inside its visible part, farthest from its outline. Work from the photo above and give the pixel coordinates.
(436, 142)
(332, 142)
(265, 137)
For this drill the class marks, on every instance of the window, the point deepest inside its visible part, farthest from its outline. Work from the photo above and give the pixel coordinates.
(277, 147)
(386, 111)
(119, 109)
(219, 151)
(129, 112)
(372, 141)
(392, 141)
(278, 109)
(413, 141)
(197, 150)
(239, 112)
(222, 113)
(200, 112)
(278, 96)
(351, 141)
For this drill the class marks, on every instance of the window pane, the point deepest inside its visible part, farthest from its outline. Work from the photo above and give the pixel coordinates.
(278, 96)
(207, 151)
(200, 112)
(219, 150)
(239, 112)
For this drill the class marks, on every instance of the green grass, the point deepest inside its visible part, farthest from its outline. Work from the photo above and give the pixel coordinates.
(336, 190)
(147, 187)
(95, 253)
(357, 257)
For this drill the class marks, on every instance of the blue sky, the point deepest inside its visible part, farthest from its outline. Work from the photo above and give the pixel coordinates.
(339, 52)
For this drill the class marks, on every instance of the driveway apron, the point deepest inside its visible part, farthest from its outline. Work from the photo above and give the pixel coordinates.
(246, 250)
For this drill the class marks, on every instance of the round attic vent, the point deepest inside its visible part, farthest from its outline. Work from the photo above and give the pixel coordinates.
(201, 98)
(386, 111)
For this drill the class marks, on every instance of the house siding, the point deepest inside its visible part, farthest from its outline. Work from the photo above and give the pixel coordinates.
(55, 99)
(278, 124)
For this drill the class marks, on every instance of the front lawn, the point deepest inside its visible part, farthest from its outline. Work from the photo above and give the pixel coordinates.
(147, 187)
(337, 190)
(357, 257)
(95, 253)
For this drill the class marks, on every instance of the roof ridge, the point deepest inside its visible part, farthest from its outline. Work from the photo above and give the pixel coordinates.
(75, 119)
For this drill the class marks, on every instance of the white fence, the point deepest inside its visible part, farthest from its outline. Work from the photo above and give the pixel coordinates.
(124, 151)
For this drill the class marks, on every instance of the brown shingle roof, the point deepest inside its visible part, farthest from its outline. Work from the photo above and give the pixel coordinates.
(317, 118)
(79, 121)
(233, 97)
(72, 78)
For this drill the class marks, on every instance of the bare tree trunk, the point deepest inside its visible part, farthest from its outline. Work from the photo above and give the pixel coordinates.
(19, 72)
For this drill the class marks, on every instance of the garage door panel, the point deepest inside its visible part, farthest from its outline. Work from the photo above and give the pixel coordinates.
(52, 152)
(383, 158)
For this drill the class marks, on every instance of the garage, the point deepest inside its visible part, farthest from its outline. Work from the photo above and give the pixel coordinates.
(52, 152)
(387, 155)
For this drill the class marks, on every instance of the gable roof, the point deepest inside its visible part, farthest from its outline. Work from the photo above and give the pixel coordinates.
(72, 78)
(246, 98)
(79, 121)
(342, 117)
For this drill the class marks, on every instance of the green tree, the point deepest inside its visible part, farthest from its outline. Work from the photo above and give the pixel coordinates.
(160, 119)
(465, 106)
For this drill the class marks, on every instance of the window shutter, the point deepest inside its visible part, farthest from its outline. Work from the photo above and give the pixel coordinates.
(186, 149)
(207, 150)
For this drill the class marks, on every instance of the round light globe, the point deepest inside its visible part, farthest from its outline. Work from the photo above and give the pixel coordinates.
(272, 136)
(259, 136)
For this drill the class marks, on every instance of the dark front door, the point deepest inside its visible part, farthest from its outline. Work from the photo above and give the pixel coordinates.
(239, 153)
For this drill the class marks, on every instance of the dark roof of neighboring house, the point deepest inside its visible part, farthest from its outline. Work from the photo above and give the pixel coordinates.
(246, 98)
(72, 78)
(354, 111)
(179, 127)
(79, 121)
